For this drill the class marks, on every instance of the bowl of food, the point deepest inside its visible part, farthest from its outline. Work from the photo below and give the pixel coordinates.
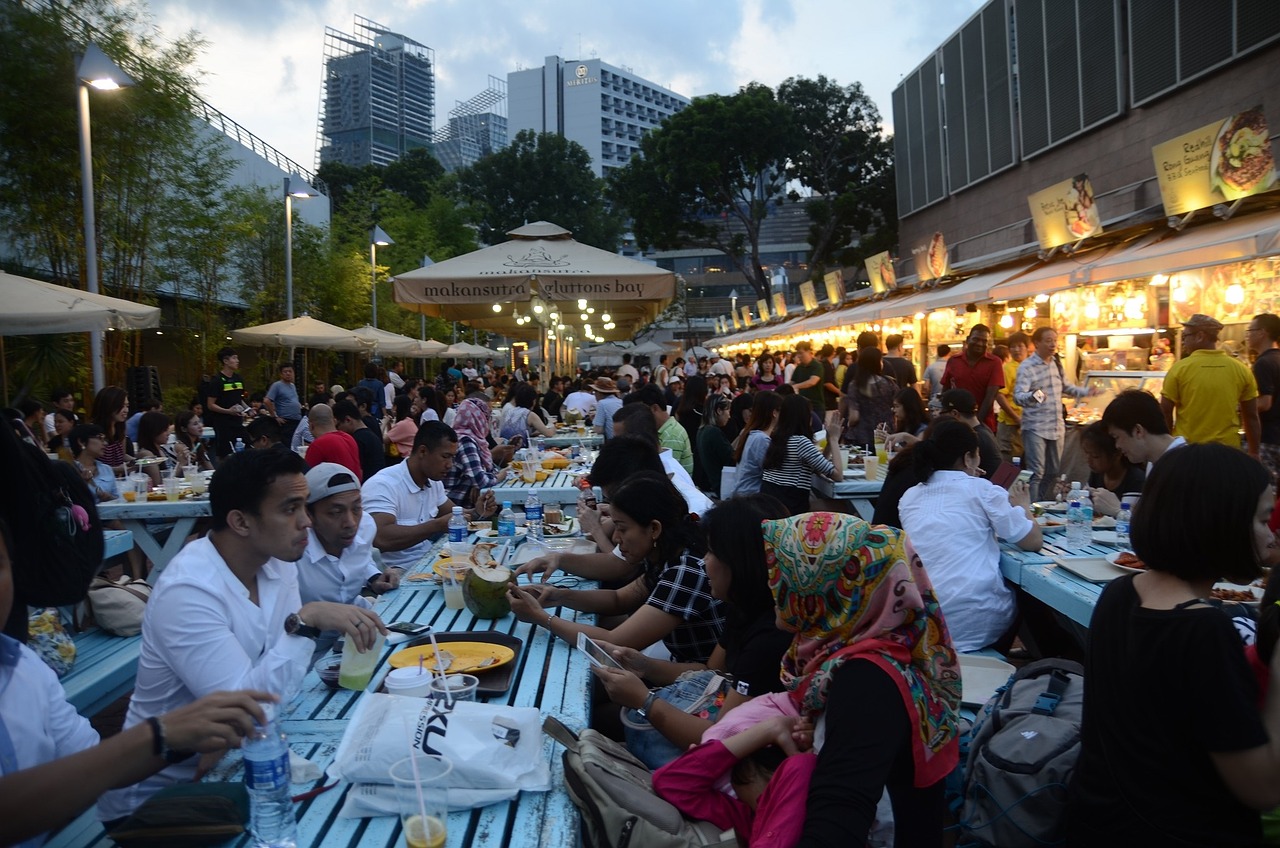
(328, 670)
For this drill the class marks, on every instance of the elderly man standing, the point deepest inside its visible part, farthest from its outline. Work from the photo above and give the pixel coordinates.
(1039, 391)
(1263, 337)
(1211, 392)
(977, 371)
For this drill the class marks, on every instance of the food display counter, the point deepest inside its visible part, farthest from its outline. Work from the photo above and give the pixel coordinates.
(1109, 384)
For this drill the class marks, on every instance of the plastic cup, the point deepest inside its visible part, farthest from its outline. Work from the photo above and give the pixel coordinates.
(462, 687)
(357, 668)
(871, 464)
(422, 799)
(453, 588)
(172, 488)
(582, 429)
(409, 682)
(197, 481)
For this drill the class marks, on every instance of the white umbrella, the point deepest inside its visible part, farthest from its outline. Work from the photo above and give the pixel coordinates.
(696, 352)
(467, 349)
(384, 341)
(32, 307)
(429, 348)
(649, 349)
(304, 331)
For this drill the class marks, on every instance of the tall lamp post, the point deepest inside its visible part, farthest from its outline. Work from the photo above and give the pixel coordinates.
(100, 72)
(378, 239)
(294, 186)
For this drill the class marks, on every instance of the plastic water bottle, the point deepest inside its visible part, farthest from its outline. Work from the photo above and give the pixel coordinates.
(1086, 512)
(533, 515)
(1078, 529)
(506, 520)
(266, 776)
(457, 526)
(238, 447)
(1123, 519)
(541, 444)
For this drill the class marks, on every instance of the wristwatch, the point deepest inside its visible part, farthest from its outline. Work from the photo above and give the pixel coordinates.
(295, 626)
(643, 712)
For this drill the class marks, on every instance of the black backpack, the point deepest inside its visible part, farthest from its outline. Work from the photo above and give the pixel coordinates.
(55, 533)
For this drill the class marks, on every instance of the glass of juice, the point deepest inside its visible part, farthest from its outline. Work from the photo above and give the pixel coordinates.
(422, 799)
(357, 668)
(453, 588)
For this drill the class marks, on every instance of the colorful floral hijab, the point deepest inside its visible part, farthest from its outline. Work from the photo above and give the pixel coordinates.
(472, 419)
(849, 590)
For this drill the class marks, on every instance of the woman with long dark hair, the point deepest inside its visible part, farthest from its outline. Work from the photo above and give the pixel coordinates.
(669, 601)
(403, 429)
(689, 413)
(748, 456)
(712, 448)
(191, 448)
(792, 458)
(869, 400)
(909, 414)
(109, 413)
(520, 418)
(738, 411)
(153, 441)
(955, 520)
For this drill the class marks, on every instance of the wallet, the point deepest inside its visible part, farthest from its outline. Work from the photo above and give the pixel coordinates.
(188, 814)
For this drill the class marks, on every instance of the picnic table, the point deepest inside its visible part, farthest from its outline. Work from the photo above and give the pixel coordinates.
(135, 515)
(565, 439)
(560, 487)
(854, 488)
(1041, 577)
(549, 676)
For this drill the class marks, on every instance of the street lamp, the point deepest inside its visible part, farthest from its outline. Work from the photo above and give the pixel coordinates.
(733, 300)
(294, 186)
(95, 70)
(378, 239)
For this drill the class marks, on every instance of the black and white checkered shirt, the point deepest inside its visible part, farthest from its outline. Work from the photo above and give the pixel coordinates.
(682, 590)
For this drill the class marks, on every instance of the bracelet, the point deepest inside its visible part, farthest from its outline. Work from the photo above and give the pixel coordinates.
(550, 617)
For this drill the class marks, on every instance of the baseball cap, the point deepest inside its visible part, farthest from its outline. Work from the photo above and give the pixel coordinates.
(960, 400)
(330, 478)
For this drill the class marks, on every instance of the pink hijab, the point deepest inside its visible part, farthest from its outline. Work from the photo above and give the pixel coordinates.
(472, 419)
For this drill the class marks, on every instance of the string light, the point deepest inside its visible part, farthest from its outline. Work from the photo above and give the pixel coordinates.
(497, 307)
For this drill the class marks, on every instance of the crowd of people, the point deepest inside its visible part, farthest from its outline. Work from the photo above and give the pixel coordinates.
(833, 641)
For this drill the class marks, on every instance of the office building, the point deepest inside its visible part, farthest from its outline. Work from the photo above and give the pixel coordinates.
(603, 108)
(476, 127)
(378, 95)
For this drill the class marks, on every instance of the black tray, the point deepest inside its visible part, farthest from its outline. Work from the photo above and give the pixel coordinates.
(492, 682)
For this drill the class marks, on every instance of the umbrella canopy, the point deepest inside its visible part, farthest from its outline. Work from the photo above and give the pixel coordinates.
(649, 349)
(32, 307)
(428, 348)
(467, 349)
(384, 341)
(542, 266)
(696, 352)
(304, 331)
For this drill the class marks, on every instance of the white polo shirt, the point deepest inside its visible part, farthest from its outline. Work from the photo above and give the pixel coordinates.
(201, 634)
(322, 577)
(393, 492)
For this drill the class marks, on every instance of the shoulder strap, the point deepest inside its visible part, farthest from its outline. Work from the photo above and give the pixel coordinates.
(557, 731)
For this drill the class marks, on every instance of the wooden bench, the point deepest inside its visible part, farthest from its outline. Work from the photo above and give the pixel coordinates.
(104, 672)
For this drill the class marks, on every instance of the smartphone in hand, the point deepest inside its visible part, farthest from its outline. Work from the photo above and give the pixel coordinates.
(598, 655)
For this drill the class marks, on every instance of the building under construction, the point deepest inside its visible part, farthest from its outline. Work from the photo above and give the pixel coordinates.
(378, 95)
(477, 127)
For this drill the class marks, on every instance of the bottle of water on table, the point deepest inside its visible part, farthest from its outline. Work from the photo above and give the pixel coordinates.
(533, 516)
(1078, 529)
(457, 526)
(1123, 519)
(506, 521)
(266, 777)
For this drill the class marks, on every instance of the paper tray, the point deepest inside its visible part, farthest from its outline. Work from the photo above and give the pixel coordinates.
(980, 677)
(492, 682)
(1095, 569)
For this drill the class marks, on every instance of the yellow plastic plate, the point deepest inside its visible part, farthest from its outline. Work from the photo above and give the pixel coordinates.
(467, 656)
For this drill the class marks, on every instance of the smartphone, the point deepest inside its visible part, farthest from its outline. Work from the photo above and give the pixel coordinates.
(595, 653)
(589, 498)
(1024, 476)
(409, 628)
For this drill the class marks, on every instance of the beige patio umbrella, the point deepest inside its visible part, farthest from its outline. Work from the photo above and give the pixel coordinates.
(385, 341)
(428, 348)
(540, 271)
(303, 331)
(32, 307)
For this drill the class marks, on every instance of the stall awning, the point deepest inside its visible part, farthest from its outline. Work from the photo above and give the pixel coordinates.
(976, 288)
(1237, 240)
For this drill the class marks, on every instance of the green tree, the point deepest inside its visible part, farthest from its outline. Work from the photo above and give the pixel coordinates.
(709, 175)
(414, 176)
(542, 177)
(847, 165)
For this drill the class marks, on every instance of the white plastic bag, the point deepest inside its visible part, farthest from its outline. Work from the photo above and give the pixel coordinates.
(373, 799)
(475, 737)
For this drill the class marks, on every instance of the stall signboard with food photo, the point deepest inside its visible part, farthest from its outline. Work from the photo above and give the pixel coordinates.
(835, 287)
(1217, 163)
(1232, 292)
(1065, 212)
(808, 296)
(881, 272)
(931, 259)
(762, 309)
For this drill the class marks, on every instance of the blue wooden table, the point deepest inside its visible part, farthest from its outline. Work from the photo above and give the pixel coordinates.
(550, 676)
(134, 517)
(560, 487)
(1042, 578)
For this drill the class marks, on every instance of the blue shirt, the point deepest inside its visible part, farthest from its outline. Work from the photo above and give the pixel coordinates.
(604, 414)
(131, 426)
(285, 398)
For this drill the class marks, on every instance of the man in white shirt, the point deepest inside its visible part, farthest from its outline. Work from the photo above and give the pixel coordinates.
(408, 503)
(469, 370)
(720, 366)
(626, 369)
(226, 612)
(338, 563)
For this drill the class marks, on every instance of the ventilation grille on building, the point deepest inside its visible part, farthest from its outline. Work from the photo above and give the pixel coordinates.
(1174, 41)
(1068, 68)
(978, 95)
(918, 148)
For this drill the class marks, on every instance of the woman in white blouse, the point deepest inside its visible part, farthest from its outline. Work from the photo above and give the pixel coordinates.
(954, 520)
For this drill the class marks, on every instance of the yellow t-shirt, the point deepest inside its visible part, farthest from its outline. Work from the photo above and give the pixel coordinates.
(1010, 378)
(1207, 388)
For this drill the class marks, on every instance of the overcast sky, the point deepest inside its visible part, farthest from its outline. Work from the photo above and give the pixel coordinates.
(262, 64)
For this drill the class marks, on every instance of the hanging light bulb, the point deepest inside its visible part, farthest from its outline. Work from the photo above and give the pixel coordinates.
(1006, 320)
(537, 307)
(582, 316)
(1159, 279)
(591, 310)
(1042, 298)
(606, 317)
(1235, 294)
(1092, 310)
(582, 303)
(497, 307)
(919, 316)
(1031, 313)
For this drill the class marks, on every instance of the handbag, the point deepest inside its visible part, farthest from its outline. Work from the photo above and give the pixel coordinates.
(50, 640)
(699, 693)
(118, 606)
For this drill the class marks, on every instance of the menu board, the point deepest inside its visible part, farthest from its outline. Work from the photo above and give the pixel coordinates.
(1065, 212)
(835, 287)
(881, 272)
(808, 296)
(1216, 163)
(931, 260)
(779, 305)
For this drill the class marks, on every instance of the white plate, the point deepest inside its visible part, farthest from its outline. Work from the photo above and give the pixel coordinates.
(1092, 568)
(1051, 506)
(1256, 591)
(493, 534)
(980, 677)
(1051, 524)
(1106, 522)
(1111, 558)
(1104, 537)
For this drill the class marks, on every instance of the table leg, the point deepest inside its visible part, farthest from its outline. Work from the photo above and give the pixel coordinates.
(158, 554)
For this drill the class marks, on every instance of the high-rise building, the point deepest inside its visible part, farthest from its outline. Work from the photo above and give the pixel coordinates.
(477, 127)
(603, 108)
(378, 97)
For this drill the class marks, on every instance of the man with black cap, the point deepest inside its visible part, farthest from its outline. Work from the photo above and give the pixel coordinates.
(1212, 393)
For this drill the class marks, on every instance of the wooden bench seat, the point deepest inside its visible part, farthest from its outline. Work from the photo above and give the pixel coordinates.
(104, 672)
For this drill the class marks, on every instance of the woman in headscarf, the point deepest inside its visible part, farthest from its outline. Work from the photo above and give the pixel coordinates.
(473, 467)
(871, 647)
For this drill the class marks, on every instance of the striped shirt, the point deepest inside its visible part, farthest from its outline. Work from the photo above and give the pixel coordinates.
(1043, 418)
(802, 460)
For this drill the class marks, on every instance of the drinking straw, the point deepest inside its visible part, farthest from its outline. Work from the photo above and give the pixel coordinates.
(448, 690)
(413, 764)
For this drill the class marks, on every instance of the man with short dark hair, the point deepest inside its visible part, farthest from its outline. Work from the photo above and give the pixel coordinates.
(978, 371)
(670, 434)
(807, 377)
(1263, 338)
(959, 404)
(227, 613)
(347, 418)
(224, 403)
(375, 385)
(627, 370)
(408, 502)
(1134, 419)
(1213, 393)
(933, 373)
(61, 399)
(1009, 418)
(830, 388)
(282, 402)
(661, 374)
(896, 365)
